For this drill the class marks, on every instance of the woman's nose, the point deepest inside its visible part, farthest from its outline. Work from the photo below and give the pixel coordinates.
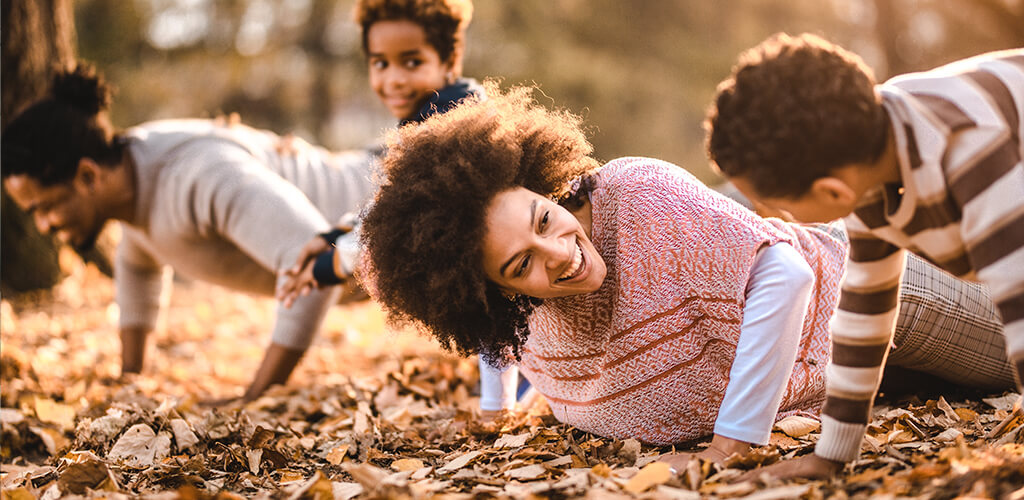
(558, 251)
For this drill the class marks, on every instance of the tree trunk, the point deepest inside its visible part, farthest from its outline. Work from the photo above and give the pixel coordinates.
(38, 38)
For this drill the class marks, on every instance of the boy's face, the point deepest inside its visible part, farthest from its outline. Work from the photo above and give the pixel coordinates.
(405, 70)
(827, 200)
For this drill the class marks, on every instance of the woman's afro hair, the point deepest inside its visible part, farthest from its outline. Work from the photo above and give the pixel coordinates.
(423, 233)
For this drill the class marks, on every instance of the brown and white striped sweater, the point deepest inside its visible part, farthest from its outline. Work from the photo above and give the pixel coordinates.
(961, 206)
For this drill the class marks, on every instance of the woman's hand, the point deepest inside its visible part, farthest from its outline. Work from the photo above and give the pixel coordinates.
(299, 279)
(721, 448)
(487, 416)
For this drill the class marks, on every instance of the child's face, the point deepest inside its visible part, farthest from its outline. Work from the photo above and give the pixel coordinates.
(405, 70)
(827, 200)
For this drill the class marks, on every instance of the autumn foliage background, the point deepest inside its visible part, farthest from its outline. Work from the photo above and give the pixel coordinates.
(379, 413)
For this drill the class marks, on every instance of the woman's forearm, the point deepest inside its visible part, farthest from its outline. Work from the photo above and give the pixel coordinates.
(778, 293)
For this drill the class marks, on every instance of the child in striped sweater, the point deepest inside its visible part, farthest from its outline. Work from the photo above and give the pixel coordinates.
(926, 162)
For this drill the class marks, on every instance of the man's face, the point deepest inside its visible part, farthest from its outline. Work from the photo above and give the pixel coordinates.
(66, 210)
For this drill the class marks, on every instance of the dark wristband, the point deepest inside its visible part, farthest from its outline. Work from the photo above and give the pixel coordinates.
(331, 236)
(323, 270)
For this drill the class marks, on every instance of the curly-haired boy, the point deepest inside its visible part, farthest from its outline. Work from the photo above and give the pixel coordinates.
(927, 162)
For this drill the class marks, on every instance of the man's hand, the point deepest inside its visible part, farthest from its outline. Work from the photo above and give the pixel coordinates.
(277, 365)
(721, 448)
(808, 466)
(299, 280)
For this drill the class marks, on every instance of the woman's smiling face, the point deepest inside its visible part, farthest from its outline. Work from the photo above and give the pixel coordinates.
(536, 247)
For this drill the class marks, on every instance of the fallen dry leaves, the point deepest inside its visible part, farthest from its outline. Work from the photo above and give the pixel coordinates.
(372, 414)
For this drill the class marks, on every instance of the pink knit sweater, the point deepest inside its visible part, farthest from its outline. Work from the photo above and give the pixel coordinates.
(648, 355)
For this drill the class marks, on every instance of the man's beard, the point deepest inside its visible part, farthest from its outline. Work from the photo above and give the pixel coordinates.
(87, 244)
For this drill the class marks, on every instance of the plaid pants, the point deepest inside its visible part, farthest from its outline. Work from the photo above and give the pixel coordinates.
(949, 328)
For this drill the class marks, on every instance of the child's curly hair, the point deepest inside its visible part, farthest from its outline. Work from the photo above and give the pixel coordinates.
(443, 21)
(794, 109)
(424, 231)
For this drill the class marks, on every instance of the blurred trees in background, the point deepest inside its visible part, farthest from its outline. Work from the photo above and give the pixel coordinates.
(640, 71)
(38, 37)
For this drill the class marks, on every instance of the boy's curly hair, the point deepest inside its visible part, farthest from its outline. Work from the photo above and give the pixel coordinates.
(794, 109)
(424, 231)
(443, 21)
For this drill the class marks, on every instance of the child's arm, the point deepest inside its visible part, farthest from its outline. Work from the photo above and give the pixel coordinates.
(861, 334)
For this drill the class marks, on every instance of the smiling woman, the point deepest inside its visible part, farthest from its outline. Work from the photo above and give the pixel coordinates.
(536, 247)
(637, 301)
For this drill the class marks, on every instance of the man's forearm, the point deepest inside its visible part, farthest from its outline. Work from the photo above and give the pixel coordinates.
(278, 364)
(133, 348)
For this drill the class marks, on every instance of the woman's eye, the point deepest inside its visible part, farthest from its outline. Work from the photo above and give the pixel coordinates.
(523, 266)
(544, 220)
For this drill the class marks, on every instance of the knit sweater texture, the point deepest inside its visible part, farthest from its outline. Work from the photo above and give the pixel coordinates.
(648, 355)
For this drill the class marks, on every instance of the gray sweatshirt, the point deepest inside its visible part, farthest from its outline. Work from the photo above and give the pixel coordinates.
(233, 206)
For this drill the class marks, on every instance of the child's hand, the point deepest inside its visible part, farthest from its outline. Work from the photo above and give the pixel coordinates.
(297, 284)
(307, 255)
(299, 279)
(808, 467)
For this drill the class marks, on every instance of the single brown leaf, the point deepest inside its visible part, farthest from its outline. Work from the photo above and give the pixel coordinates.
(797, 426)
(51, 411)
(337, 454)
(528, 473)
(652, 474)
(407, 464)
(80, 476)
(601, 470)
(460, 461)
(289, 476)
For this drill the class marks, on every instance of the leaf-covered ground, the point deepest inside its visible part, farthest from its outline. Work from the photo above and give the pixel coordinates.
(373, 414)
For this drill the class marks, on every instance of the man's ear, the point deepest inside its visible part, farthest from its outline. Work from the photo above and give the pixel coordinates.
(834, 191)
(88, 173)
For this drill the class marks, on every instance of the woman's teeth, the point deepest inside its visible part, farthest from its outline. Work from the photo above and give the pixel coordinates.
(577, 261)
